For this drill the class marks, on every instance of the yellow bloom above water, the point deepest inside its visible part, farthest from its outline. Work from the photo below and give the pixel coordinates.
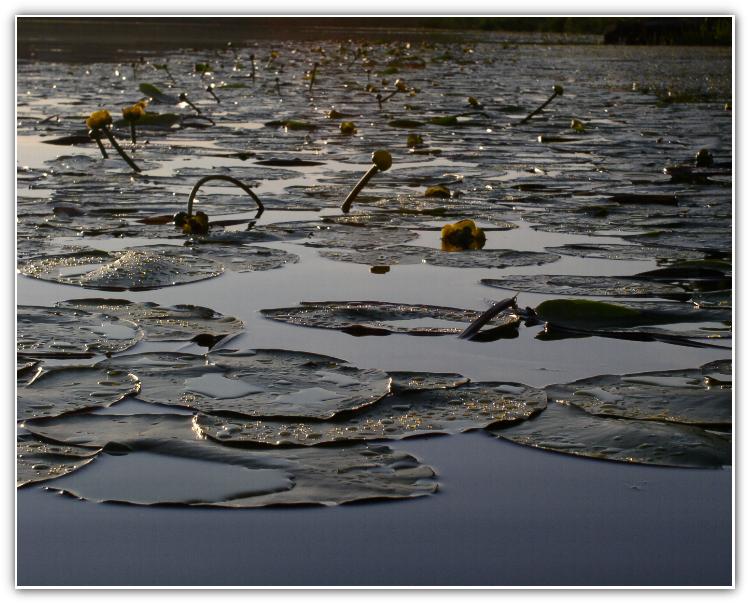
(134, 112)
(462, 235)
(98, 119)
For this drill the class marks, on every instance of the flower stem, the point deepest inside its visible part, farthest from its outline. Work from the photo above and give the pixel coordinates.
(96, 135)
(357, 189)
(475, 326)
(118, 148)
(541, 108)
(234, 181)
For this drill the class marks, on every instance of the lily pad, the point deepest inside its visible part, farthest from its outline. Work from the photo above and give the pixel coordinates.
(135, 269)
(383, 318)
(157, 95)
(358, 237)
(614, 251)
(163, 460)
(409, 381)
(610, 286)
(269, 383)
(682, 396)
(162, 323)
(570, 430)
(62, 390)
(410, 254)
(246, 258)
(589, 315)
(426, 412)
(60, 332)
(38, 461)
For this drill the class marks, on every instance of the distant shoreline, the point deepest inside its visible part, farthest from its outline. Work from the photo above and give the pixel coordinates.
(80, 39)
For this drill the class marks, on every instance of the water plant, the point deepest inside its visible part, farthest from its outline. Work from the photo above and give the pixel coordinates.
(209, 89)
(381, 162)
(557, 90)
(462, 235)
(98, 123)
(132, 114)
(198, 223)
(348, 127)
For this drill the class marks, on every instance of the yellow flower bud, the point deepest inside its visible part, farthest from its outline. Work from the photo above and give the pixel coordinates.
(98, 119)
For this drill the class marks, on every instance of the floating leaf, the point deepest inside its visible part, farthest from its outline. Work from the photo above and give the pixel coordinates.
(614, 251)
(57, 332)
(163, 323)
(384, 318)
(135, 269)
(405, 123)
(290, 162)
(357, 237)
(406, 381)
(63, 390)
(611, 286)
(587, 314)
(271, 383)
(419, 413)
(567, 429)
(245, 258)
(444, 120)
(411, 254)
(153, 120)
(684, 396)
(38, 461)
(169, 466)
(157, 95)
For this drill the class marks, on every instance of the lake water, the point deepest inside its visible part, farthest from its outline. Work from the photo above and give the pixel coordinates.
(467, 508)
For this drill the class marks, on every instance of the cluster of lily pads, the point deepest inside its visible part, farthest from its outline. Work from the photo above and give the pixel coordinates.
(163, 388)
(303, 424)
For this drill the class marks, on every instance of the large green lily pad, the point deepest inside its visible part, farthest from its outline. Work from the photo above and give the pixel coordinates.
(162, 323)
(269, 383)
(682, 396)
(590, 315)
(610, 286)
(418, 413)
(38, 461)
(62, 332)
(384, 318)
(570, 430)
(161, 460)
(134, 269)
(67, 389)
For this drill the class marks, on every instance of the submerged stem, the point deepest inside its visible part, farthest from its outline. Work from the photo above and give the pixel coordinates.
(234, 181)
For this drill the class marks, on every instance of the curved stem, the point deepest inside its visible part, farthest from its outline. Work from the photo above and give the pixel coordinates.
(541, 108)
(234, 181)
(498, 307)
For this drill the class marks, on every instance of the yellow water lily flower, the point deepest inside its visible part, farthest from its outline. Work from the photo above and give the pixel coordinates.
(134, 112)
(98, 119)
(462, 235)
